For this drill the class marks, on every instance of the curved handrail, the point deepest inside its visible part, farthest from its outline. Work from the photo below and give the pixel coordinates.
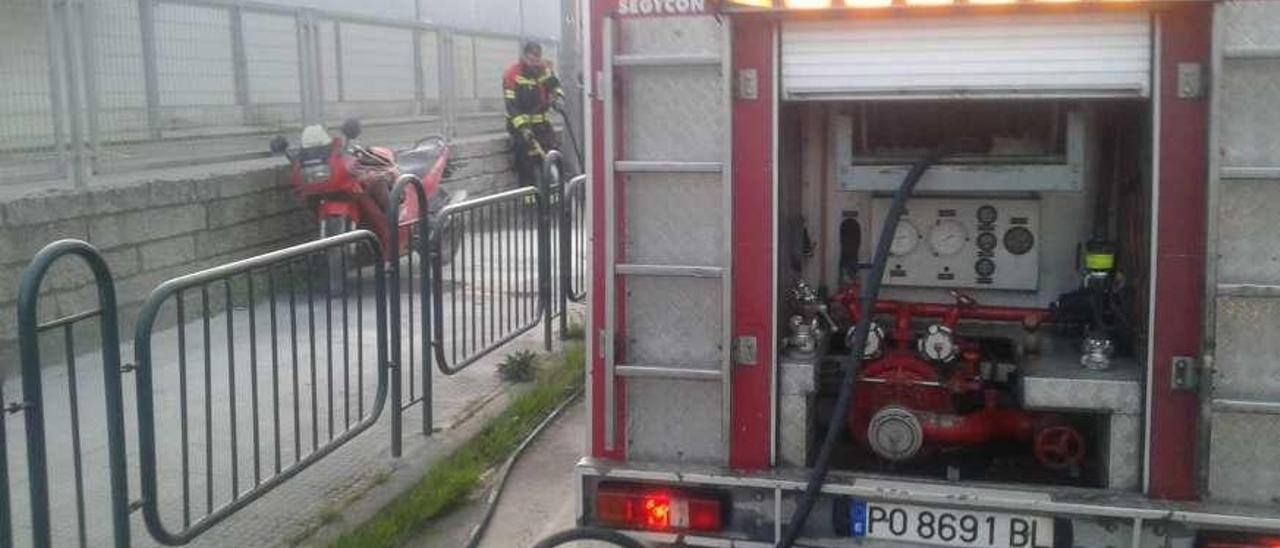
(424, 232)
(29, 344)
(146, 405)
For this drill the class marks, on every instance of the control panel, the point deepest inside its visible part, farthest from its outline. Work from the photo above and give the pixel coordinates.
(971, 243)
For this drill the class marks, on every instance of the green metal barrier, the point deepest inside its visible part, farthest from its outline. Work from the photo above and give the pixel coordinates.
(297, 270)
(33, 404)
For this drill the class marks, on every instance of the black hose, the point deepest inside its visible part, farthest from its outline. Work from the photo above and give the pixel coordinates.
(852, 364)
(491, 504)
(589, 533)
(573, 138)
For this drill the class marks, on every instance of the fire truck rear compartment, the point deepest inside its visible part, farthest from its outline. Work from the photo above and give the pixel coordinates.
(1011, 321)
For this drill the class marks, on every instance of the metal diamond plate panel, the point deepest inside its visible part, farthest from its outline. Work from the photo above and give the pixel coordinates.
(1055, 380)
(1124, 451)
(674, 322)
(1252, 23)
(1243, 466)
(1099, 395)
(668, 35)
(674, 219)
(673, 113)
(1248, 242)
(1250, 113)
(1248, 353)
(658, 427)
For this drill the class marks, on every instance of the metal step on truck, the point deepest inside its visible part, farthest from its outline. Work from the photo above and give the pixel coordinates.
(997, 273)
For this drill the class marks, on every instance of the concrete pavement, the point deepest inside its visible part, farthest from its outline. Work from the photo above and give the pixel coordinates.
(539, 499)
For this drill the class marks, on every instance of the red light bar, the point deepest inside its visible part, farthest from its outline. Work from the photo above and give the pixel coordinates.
(1236, 540)
(865, 4)
(653, 508)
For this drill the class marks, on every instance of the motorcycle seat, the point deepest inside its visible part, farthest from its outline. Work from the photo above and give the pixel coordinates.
(418, 161)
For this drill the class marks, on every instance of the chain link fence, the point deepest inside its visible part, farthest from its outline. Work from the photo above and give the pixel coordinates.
(97, 87)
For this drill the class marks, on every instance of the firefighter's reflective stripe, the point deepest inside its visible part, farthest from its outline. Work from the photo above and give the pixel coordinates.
(509, 94)
(520, 120)
(523, 81)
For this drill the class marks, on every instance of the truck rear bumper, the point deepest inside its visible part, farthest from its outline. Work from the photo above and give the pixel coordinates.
(1092, 517)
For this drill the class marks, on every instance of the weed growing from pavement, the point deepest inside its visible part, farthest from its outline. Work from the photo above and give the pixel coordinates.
(449, 482)
(519, 366)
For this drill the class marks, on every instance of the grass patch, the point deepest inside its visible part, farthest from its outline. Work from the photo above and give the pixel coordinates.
(574, 332)
(449, 482)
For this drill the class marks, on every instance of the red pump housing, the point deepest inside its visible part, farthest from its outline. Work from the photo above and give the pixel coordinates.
(904, 402)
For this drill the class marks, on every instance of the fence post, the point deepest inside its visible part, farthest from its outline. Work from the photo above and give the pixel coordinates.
(6, 509)
(88, 48)
(57, 97)
(549, 174)
(150, 67)
(305, 78)
(239, 61)
(447, 74)
(419, 78)
(565, 232)
(74, 70)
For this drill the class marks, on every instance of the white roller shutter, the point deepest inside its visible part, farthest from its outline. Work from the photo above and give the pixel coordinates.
(1032, 55)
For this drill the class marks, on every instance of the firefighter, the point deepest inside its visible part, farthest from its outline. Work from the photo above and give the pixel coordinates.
(531, 88)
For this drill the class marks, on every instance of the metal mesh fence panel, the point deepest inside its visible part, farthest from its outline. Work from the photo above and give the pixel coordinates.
(162, 83)
(28, 140)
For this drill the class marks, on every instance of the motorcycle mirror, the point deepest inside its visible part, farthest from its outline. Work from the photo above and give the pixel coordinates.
(351, 128)
(279, 144)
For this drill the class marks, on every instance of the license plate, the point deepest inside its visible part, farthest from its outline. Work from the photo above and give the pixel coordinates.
(946, 527)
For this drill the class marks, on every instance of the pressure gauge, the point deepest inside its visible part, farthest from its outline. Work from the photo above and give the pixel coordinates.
(938, 344)
(987, 214)
(948, 237)
(987, 241)
(985, 267)
(905, 239)
(1018, 240)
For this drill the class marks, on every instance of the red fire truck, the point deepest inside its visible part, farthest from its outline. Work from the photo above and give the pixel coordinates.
(996, 273)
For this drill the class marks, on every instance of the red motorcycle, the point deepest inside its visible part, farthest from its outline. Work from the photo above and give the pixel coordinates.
(348, 185)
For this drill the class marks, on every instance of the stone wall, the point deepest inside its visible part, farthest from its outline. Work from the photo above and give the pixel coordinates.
(163, 226)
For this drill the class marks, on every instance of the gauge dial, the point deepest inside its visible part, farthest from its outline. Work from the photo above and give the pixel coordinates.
(938, 344)
(948, 237)
(1018, 240)
(987, 241)
(984, 268)
(987, 214)
(905, 239)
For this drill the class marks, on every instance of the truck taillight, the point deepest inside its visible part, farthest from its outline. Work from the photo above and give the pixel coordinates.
(658, 509)
(1236, 540)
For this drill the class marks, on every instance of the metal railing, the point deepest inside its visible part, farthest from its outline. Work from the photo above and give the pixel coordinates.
(570, 230)
(416, 293)
(485, 286)
(296, 288)
(102, 87)
(250, 372)
(36, 408)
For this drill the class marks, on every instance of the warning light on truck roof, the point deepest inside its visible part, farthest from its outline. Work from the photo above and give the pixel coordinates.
(864, 4)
